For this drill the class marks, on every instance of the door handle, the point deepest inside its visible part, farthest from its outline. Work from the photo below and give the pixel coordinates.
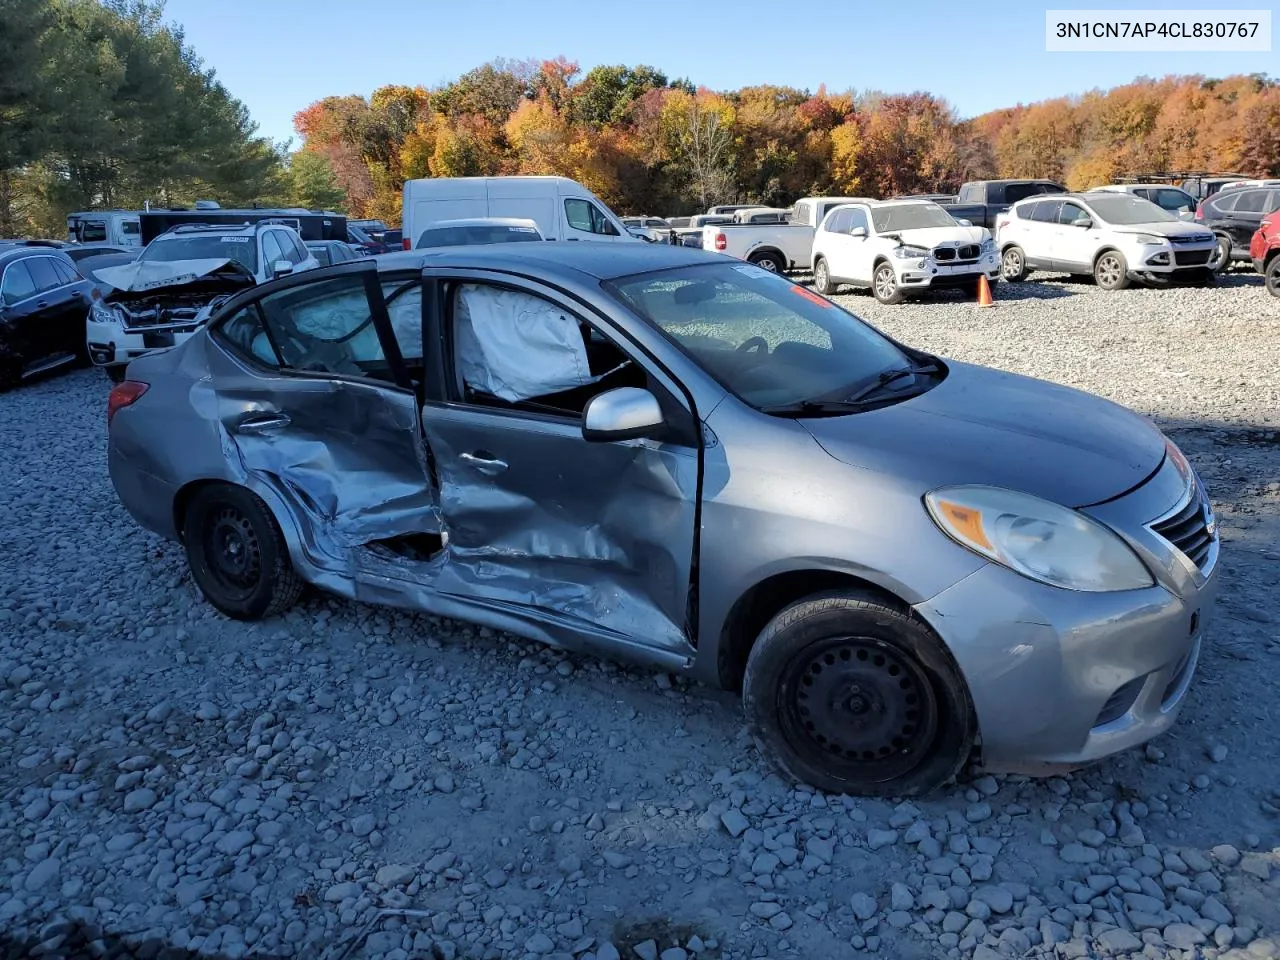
(490, 466)
(262, 424)
(42, 303)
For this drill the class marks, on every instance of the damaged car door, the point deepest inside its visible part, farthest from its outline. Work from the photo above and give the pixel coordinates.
(326, 418)
(588, 541)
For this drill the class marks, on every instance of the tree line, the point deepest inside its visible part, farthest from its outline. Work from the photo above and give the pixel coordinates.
(649, 144)
(104, 104)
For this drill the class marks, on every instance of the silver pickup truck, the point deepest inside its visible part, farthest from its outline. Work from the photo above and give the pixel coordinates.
(777, 247)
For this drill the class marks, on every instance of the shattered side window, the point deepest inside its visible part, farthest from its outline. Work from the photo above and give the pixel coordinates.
(244, 332)
(327, 327)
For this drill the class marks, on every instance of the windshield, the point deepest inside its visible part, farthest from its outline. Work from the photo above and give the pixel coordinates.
(766, 339)
(479, 233)
(1126, 209)
(910, 216)
(208, 246)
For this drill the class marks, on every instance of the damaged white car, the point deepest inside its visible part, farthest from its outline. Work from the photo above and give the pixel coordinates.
(169, 292)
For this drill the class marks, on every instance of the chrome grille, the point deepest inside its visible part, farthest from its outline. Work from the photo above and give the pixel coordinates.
(968, 251)
(1192, 528)
(1191, 258)
(943, 254)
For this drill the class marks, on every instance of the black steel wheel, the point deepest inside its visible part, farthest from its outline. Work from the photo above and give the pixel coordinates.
(853, 695)
(237, 553)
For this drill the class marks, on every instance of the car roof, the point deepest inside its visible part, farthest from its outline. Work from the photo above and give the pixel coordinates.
(484, 222)
(10, 251)
(599, 259)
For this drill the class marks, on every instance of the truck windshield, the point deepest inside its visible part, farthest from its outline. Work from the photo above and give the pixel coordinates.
(910, 216)
(1125, 209)
(209, 246)
(764, 338)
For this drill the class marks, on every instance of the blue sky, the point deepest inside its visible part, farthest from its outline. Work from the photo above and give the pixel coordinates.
(277, 56)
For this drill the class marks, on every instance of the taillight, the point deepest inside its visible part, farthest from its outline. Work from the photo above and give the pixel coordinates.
(404, 242)
(1200, 210)
(721, 242)
(123, 395)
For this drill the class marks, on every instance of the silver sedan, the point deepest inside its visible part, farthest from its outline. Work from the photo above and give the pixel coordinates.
(681, 459)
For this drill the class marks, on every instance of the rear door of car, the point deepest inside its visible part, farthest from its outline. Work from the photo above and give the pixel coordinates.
(60, 303)
(587, 542)
(1038, 232)
(321, 409)
(1242, 220)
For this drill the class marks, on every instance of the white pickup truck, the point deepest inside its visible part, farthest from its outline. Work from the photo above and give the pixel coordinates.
(777, 247)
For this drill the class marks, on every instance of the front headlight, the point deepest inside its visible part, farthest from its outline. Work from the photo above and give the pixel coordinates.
(105, 314)
(988, 246)
(910, 253)
(1149, 239)
(1037, 538)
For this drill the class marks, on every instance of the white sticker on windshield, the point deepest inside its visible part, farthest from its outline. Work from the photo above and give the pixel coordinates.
(236, 239)
(751, 270)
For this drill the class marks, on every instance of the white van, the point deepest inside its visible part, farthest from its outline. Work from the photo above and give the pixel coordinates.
(562, 209)
(118, 227)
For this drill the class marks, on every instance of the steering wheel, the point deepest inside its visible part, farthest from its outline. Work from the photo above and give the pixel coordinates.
(754, 345)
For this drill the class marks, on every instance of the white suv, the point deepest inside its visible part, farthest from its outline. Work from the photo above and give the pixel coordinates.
(1114, 237)
(899, 248)
(168, 293)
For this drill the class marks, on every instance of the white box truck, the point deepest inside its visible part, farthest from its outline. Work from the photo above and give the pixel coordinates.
(562, 208)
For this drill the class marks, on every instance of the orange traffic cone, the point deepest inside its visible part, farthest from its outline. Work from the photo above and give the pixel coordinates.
(984, 292)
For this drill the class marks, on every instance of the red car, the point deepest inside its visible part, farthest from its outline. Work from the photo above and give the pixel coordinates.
(1264, 249)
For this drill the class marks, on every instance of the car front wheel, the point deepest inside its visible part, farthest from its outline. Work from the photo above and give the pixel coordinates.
(884, 284)
(1222, 256)
(851, 695)
(1013, 265)
(1111, 272)
(237, 553)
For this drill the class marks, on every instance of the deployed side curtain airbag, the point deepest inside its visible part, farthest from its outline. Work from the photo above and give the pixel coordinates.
(517, 346)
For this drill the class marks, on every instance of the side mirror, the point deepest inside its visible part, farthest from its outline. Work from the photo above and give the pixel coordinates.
(965, 223)
(280, 268)
(1084, 223)
(623, 413)
(858, 232)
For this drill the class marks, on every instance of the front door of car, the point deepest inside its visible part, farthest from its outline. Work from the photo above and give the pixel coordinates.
(323, 414)
(584, 220)
(594, 539)
(1075, 240)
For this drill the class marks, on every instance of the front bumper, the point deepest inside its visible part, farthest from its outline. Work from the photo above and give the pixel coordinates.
(927, 273)
(1059, 678)
(1168, 259)
(114, 343)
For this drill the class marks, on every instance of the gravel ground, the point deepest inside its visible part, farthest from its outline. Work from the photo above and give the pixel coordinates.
(351, 781)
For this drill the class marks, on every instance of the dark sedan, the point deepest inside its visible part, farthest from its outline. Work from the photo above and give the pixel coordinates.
(43, 302)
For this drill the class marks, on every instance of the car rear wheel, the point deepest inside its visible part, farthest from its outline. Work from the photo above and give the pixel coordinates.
(10, 373)
(884, 284)
(237, 553)
(1222, 256)
(822, 278)
(768, 261)
(1111, 272)
(1013, 265)
(850, 695)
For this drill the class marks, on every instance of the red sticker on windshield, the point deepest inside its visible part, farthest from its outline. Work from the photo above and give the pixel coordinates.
(810, 296)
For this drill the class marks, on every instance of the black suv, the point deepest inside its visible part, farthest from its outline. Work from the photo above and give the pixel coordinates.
(43, 304)
(1235, 216)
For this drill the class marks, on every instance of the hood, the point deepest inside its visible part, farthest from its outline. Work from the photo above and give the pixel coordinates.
(931, 237)
(1166, 228)
(142, 275)
(986, 426)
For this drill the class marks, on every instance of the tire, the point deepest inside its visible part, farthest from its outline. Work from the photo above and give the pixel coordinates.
(884, 284)
(10, 373)
(1222, 258)
(822, 281)
(768, 261)
(1272, 277)
(237, 553)
(1013, 264)
(877, 662)
(1110, 271)
(116, 372)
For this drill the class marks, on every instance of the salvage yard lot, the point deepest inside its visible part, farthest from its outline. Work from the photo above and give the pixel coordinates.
(267, 787)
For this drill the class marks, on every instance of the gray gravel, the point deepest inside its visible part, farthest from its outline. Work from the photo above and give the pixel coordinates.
(353, 778)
